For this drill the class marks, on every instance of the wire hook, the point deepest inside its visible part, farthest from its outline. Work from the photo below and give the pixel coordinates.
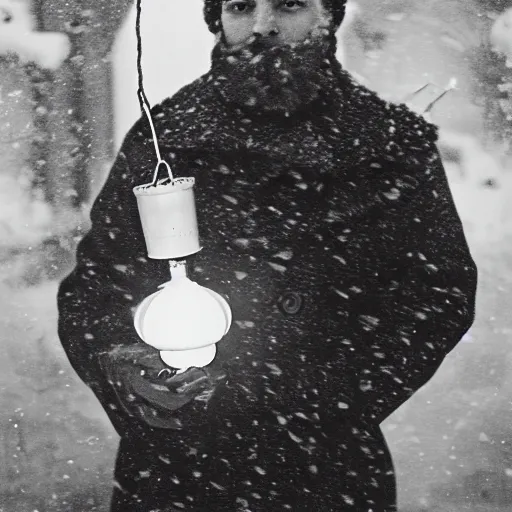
(143, 101)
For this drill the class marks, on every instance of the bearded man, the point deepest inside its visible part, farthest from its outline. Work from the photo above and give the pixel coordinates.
(327, 223)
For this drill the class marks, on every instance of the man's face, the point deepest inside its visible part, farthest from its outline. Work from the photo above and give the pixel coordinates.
(272, 21)
(275, 53)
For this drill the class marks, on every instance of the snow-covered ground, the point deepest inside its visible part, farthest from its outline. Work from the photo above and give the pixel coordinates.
(56, 447)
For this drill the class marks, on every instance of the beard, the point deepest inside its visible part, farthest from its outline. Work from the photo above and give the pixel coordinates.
(274, 78)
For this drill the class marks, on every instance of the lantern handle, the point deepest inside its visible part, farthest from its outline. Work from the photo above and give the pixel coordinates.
(144, 104)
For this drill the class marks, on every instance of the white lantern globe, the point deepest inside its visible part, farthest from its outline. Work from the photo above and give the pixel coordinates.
(183, 320)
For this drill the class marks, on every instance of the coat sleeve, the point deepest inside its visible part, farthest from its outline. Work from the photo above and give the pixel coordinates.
(419, 302)
(112, 275)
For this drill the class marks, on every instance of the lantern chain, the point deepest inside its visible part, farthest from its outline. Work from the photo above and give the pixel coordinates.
(143, 101)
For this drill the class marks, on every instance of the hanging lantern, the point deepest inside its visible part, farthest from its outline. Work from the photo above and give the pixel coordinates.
(183, 320)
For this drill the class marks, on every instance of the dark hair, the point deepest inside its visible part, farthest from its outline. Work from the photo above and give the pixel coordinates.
(212, 12)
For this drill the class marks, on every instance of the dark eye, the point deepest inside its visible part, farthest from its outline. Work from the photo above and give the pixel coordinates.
(238, 7)
(293, 4)
(6, 16)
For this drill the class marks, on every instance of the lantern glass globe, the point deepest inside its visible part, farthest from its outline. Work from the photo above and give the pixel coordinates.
(184, 321)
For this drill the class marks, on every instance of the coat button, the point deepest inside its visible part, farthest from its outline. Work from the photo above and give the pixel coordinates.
(290, 303)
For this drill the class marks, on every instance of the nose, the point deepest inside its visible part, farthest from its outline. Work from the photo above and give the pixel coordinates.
(265, 24)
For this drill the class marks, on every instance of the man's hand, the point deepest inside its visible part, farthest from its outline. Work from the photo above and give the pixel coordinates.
(150, 391)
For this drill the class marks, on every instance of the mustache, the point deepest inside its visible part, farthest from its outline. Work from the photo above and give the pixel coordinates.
(262, 44)
(257, 47)
(258, 44)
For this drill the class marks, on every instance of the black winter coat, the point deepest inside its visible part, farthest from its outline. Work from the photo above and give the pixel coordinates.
(334, 236)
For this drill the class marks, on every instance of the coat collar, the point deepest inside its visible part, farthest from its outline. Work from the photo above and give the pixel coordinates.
(348, 127)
